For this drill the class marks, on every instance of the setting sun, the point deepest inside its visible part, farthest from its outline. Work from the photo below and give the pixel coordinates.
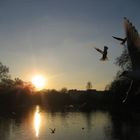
(39, 82)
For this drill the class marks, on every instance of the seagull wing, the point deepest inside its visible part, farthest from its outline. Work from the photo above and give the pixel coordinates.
(118, 38)
(99, 50)
(133, 44)
(51, 129)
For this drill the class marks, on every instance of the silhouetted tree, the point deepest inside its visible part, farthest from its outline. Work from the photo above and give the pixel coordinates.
(123, 61)
(119, 85)
(64, 90)
(4, 72)
(89, 85)
(6, 83)
(18, 81)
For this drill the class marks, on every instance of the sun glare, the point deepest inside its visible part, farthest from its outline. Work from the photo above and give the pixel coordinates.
(39, 82)
(37, 121)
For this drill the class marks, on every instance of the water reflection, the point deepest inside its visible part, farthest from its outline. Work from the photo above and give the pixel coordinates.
(97, 125)
(37, 121)
(126, 126)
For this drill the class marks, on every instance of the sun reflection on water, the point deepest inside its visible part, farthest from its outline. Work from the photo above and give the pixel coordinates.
(37, 121)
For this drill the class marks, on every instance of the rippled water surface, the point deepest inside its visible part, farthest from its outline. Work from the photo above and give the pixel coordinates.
(38, 124)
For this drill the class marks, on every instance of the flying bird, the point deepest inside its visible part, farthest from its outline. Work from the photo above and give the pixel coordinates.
(83, 128)
(133, 45)
(122, 40)
(52, 130)
(104, 53)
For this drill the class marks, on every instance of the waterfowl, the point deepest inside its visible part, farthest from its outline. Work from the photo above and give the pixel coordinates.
(122, 40)
(103, 52)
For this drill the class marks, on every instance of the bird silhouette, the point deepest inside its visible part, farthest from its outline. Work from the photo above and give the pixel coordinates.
(104, 53)
(123, 40)
(52, 130)
(133, 45)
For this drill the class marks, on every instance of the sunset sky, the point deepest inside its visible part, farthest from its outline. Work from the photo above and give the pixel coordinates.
(56, 38)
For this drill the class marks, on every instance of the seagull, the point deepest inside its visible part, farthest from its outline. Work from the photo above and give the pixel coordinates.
(83, 128)
(52, 130)
(123, 40)
(104, 53)
(133, 45)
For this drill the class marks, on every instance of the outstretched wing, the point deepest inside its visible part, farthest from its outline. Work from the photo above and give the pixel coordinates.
(99, 50)
(133, 44)
(118, 38)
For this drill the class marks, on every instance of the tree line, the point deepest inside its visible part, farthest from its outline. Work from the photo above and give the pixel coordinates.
(17, 94)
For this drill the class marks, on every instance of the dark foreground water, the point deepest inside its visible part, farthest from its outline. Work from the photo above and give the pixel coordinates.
(97, 125)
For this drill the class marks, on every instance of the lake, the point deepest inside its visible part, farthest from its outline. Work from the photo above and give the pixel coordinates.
(39, 124)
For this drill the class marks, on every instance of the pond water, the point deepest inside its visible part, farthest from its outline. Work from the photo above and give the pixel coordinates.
(39, 124)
